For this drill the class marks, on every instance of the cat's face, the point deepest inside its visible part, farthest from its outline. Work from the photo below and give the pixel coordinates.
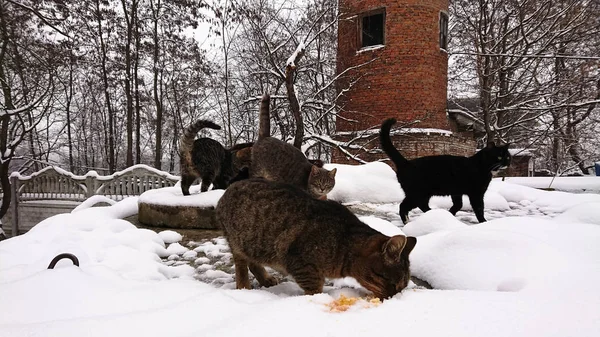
(321, 181)
(498, 157)
(383, 266)
(243, 157)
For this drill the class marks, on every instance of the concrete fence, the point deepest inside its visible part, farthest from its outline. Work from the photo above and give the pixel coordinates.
(52, 191)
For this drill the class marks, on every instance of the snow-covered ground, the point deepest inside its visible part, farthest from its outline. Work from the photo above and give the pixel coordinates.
(532, 270)
(588, 184)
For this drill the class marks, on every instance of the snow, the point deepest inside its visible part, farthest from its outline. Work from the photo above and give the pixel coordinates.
(370, 48)
(90, 202)
(400, 131)
(292, 59)
(94, 173)
(566, 184)
(582, 213)
(521, 152)
(532, 270)
(172, 196)
(169, 236)
(176, 248)
(351, 184)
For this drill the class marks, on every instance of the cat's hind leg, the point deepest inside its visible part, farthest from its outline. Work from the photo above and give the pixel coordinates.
(477, 204)
(186, 182)
(242, 280)
(424, 205)
(207, 180)
(262, 276)
(457, 203)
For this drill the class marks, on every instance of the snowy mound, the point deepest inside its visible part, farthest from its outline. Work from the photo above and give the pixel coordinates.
(373, 182)
(104, 244)
(583, 213)
(588, 184)
(433, 221)
(382, 226)
(508, 254)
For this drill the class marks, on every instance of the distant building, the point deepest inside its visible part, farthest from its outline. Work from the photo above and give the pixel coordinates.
(522, 163)
(392, 62)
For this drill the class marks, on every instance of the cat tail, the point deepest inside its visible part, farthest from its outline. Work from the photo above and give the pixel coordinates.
(264, 128)
(387, 145)
(186, 141)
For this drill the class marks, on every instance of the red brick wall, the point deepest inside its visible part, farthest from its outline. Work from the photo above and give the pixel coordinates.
(408, 76)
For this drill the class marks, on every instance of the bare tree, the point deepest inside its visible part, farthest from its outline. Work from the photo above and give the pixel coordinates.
(26, 96)
(517, 49)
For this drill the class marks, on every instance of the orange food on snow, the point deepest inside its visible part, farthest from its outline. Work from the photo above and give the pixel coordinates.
(344, 303)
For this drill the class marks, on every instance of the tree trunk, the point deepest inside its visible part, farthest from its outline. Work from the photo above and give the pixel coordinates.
(157, 96)
(111, 135)
(128, 80)
(68, 111)
(138, 149)
(4, 119)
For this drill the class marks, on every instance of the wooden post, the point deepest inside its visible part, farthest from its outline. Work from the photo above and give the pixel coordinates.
(14, 186)
(91, 186)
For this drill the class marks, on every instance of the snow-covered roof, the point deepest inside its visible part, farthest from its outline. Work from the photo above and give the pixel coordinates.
(466, 118)
(521, 152)
(398, 132)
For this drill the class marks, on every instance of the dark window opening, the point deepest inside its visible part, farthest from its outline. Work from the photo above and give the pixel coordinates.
(443, 31)
(373, 29)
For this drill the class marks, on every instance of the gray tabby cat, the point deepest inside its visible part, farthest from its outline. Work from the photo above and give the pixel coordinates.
(276, 160)
(207, 159)
(281, 226)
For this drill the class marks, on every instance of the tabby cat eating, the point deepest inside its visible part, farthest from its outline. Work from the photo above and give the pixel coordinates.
(281, 226)
(424, 177)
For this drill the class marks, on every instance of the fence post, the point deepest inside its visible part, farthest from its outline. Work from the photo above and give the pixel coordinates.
(91, 186)
(14, 186)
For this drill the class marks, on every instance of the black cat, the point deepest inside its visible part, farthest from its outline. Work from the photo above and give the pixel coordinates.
(424, 177)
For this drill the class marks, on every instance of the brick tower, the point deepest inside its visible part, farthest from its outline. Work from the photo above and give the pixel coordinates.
(392, 62)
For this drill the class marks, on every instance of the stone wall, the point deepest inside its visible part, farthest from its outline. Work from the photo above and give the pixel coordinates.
(33, 212)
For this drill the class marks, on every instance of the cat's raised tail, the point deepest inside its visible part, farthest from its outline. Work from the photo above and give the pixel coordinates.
(186, 141)
(264, 118)
(387, 145)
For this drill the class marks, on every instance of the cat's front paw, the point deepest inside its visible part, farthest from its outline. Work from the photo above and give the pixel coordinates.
(269, 282)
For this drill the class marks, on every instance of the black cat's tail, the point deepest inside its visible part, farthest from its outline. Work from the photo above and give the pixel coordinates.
(264, 118)
(186, 141)
(387, 145)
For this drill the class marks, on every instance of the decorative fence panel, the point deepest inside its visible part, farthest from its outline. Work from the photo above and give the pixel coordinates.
(50, 189)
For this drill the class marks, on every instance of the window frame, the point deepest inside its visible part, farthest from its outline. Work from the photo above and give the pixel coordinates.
(443, 30)
(363, 15)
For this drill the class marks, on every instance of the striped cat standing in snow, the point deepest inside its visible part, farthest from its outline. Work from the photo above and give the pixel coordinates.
(207, 159)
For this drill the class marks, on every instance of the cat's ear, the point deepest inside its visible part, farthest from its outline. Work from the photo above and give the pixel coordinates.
(411, 242)
(490, 145)
(393, 247)
(332, 173)
(314, 170)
